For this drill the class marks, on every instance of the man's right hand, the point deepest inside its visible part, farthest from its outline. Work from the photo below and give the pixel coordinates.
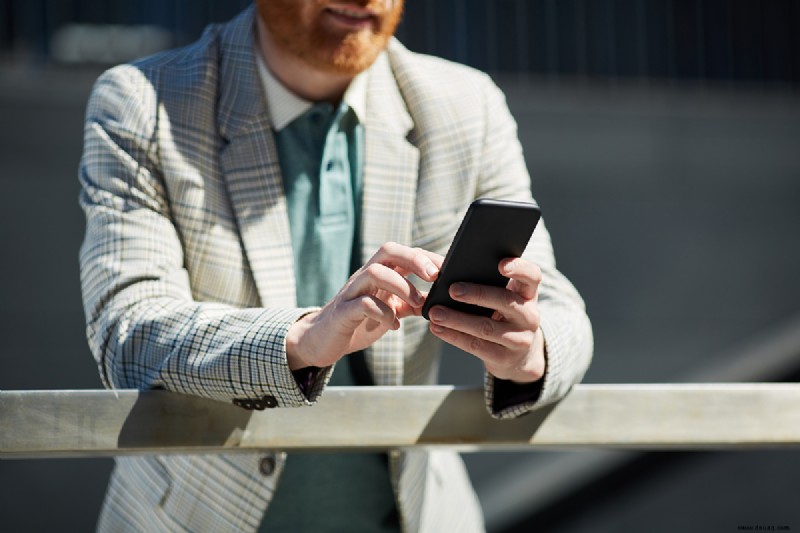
(371, 303)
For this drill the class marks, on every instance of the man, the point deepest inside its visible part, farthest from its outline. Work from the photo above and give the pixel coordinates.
(231, 188)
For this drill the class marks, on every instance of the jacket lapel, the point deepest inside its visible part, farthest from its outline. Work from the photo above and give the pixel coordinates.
(249, 164)
(390, 183)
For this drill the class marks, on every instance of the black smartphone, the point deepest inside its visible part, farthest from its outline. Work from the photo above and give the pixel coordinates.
(491, 231)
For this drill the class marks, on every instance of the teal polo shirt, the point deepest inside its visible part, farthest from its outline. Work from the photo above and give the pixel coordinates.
(320, 149)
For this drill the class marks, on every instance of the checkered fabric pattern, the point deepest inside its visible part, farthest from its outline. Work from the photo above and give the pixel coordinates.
(187, 268)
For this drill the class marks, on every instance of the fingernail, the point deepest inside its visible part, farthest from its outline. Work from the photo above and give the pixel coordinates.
(436, 329)
(431, 270)
(458, 289)
(509, 267)
(437, 315)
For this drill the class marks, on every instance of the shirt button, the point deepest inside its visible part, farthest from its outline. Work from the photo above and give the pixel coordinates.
(267, 465)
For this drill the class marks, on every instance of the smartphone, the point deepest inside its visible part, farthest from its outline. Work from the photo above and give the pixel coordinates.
(491, 231)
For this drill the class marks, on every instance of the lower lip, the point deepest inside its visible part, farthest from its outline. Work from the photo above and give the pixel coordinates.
(351, 23)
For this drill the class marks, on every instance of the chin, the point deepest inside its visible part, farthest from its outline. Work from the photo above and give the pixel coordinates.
(353, 55)
(302, 29)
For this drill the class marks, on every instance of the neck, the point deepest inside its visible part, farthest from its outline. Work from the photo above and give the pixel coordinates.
(302, 79)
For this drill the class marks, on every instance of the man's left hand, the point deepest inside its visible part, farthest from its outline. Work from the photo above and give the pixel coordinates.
(509, 343)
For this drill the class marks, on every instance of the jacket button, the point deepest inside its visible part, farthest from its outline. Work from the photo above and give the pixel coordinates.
(259, 405)
(244, 403)
(267, 465)
(269, 401)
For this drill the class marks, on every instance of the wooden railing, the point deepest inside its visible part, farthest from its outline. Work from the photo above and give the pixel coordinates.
(90, 423)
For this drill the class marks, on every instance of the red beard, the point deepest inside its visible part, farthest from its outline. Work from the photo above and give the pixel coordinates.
(327, 38)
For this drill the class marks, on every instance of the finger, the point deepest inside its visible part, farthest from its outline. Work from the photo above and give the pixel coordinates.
(370, 307)
(509, 304)
(503, 333)
(375, 277)
(401, 308)
(486, 351)
(437, 259)
(410, 260)
(523, 290)
(499, 361)
(525, 276)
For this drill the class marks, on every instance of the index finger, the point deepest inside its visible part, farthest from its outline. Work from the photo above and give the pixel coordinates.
(526, 276)
(410, 260)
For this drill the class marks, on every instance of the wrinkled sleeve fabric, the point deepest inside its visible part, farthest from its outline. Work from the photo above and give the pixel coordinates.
(564, 323)
(144, 327)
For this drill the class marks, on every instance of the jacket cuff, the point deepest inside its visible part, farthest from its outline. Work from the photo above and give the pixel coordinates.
(506, 399)
(508, 394)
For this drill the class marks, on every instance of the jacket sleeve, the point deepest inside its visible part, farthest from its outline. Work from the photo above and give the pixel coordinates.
(144, 327)
(564, 323)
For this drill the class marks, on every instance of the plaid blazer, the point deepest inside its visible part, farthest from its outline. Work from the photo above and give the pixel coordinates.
(187, 268)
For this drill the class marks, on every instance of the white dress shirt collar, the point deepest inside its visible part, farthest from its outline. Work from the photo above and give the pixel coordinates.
(284, 106)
